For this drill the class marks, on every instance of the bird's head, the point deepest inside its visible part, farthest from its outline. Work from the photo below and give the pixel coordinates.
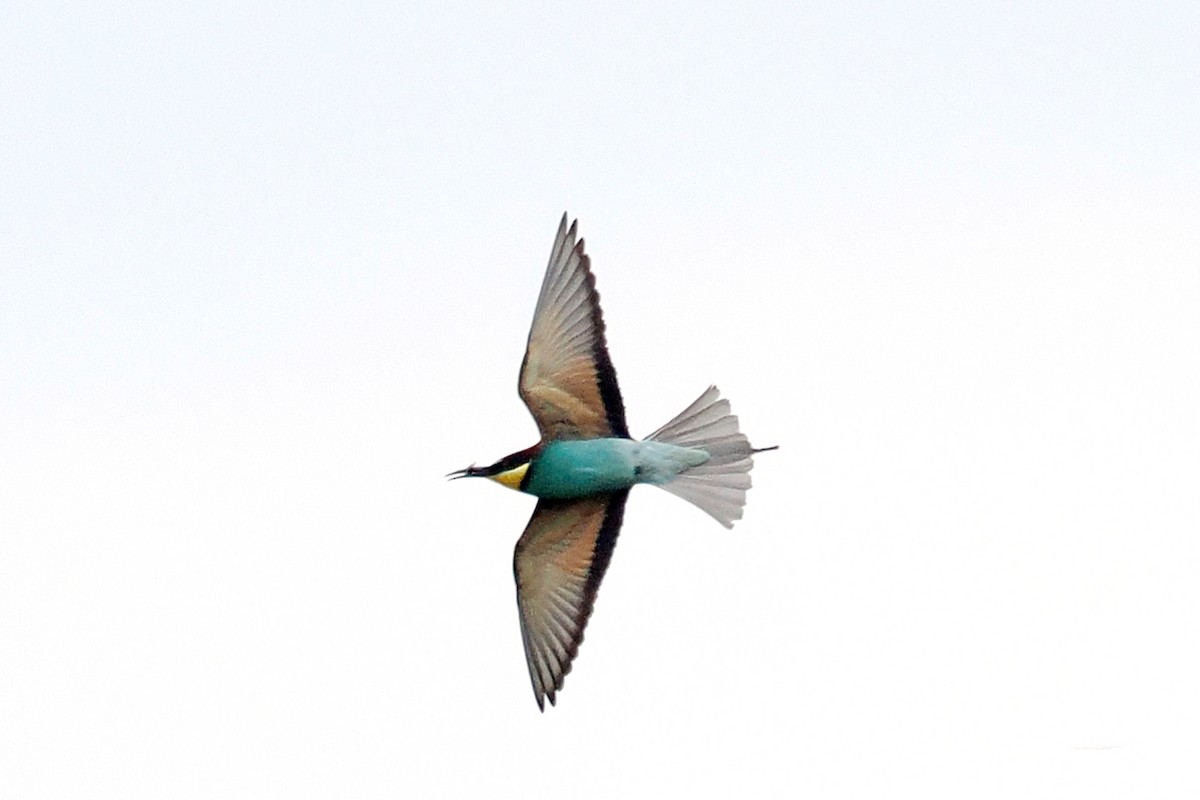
(509, 471)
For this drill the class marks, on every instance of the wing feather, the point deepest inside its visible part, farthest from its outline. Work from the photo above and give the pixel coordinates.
(567, 379)
(558, 564)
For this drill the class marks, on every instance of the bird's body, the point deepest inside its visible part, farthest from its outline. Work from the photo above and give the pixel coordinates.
(583, 467)
(586, 463)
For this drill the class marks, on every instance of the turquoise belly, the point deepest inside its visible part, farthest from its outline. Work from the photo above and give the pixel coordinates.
(595, 466)
(581, 468)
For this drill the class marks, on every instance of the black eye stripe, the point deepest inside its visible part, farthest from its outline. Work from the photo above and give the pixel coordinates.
(510, 462)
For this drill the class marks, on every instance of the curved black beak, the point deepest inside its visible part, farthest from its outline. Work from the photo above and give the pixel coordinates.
(469, 472)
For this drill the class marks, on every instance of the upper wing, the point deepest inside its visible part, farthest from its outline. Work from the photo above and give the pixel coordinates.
(567, 379)
(559, 563)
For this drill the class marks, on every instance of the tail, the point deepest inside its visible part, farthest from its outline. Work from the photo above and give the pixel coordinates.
(718, 486)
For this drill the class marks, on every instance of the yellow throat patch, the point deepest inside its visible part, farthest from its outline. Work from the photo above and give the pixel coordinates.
(512, 479)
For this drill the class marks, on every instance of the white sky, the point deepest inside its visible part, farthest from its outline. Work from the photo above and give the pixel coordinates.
(265, 276)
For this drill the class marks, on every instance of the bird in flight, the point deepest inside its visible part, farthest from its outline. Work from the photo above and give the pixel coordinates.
(583, 467)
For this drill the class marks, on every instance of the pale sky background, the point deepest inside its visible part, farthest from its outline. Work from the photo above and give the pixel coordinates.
(266, 276)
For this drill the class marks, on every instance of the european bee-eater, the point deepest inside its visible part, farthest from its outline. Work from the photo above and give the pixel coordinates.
(586, 463)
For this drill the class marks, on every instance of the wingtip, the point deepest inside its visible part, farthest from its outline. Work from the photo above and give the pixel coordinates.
(541, 698)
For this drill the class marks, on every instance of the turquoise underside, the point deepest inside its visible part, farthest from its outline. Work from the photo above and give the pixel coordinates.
(594, 466)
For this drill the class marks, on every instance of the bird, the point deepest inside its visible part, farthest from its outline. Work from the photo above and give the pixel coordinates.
(585, 463)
